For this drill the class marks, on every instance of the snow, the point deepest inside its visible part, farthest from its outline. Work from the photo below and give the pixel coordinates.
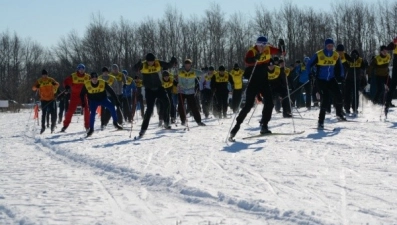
(346, 176)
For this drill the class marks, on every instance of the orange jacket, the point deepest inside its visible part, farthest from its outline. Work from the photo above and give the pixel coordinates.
(46, 87)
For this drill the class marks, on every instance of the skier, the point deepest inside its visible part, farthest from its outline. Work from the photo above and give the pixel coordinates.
(237, 75)
(219, 86)
(168, 85)
(305, 81)
(379, 71)
(73, 84)
(150, 70)
(118, 89)
(206, 92)
(354, 76)
(328, 66)
(105, 113)
(129, 97)
(95, 91)
(278, 86)
(139, 97)
(256, 60)
(392, 46)
(46, 85)
(63, 99)
(187, 82)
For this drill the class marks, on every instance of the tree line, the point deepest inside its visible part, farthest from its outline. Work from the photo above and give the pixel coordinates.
(211, 39)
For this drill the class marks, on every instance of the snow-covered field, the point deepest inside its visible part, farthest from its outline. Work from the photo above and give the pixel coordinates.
(177, 177)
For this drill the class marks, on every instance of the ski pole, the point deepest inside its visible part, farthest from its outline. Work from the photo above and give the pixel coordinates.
(253, 111)
(245, 90)
(289, 94)
(297, 89)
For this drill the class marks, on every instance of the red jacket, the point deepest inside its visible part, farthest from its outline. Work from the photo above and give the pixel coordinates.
(75, 82)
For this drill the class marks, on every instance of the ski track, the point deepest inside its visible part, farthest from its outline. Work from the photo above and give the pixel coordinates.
(180, 175)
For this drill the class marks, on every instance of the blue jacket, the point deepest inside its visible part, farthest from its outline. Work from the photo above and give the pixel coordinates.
(326, 72)
(129, 89)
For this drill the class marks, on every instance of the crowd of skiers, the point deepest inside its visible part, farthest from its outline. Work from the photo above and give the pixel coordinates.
(330, 77)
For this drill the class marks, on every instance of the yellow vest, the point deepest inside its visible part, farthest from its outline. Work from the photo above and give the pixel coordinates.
(382, 61)
(342, 57)
(275, 74)
(146, 69)
(128, 80)
(174, 88)
(356, 64)
(80, 80)
(237, 76)
(110, 80)
(324, 60)
(98, 89)
(118, 76)
(287, 71)
(208, 77)
(265, 56)
(222, 79)
(169, 83)
(138, 83)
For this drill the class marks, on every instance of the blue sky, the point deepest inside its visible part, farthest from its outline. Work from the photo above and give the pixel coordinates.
(46, 21)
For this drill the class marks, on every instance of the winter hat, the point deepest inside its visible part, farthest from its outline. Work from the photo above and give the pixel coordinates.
(340, 48)
(306, 59)
(115, 67)
(262, 40)
(125, 72)
(44, 72)
(383, 47)
(281, 61)
(94, 75)
(355, 52)
(187, 61)
(328, 41)
(221, 68)
(80, 66)
(173, 60)
(136, 77)
(211, 68)
(236, 65)
(150, 57)
(276, 60)
(298, 61)
(165, 73)
(105, 69)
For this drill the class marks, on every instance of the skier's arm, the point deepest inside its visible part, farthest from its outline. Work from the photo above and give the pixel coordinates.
(112, 93)
(82, 95)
